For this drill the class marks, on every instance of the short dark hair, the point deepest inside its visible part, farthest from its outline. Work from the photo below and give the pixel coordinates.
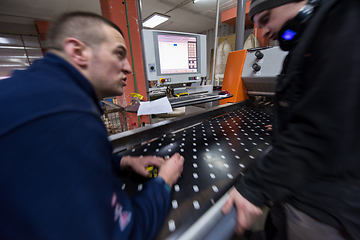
(84, 26)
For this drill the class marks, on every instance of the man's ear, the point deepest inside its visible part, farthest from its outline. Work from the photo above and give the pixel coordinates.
(77, 51)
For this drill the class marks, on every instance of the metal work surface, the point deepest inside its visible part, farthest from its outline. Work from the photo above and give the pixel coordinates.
(133, 137)
(216, 151)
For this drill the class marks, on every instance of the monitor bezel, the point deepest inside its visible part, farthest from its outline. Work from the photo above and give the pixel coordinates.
(157, 56)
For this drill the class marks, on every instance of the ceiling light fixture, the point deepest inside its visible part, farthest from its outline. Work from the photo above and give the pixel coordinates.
(155, 19)
(195, 1)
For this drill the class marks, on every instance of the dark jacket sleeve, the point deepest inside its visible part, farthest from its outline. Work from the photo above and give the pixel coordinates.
(62, 185)
(145, 211)
(317, 119)
(115, 162)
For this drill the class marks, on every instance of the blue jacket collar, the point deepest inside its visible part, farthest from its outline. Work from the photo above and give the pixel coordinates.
(75, 75)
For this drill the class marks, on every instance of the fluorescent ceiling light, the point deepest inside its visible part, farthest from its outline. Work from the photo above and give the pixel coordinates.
(4, 40)
(155, 19)
(14, 65)
(195, 1)
(13, 47)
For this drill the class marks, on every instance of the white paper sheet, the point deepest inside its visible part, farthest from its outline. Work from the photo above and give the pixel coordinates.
(157, 106)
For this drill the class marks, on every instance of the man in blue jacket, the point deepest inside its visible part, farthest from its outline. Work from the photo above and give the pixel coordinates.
(313, 173)
(57, 171)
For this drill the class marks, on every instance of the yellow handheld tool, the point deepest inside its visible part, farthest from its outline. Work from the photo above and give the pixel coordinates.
(153, 171)
(181, 94)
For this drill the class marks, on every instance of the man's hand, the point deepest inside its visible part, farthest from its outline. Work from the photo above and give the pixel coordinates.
(247, 213)
(139, 164)
(268, 128)
(171, 169)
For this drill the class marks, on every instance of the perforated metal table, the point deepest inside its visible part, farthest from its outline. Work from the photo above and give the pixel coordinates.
(216, 151)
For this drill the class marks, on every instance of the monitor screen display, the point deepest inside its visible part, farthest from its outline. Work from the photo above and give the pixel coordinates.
(177, 54)
(174, 57)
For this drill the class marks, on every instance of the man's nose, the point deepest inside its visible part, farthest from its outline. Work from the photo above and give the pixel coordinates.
(265, 31)
(127, 68)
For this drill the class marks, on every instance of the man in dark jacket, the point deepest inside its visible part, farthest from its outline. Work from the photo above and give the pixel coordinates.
(57, 172)
(313, 172)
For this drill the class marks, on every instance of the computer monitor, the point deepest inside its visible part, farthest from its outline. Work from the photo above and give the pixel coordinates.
(175, 57)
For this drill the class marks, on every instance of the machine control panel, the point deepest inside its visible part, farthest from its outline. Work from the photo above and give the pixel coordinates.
(268, 60)
(168, 80)
(259, 54)
(261, 68)
(152, 67)
(194, 78)
(164, 80)
(256, 67)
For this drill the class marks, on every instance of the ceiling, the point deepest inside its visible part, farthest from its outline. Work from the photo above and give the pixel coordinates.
(185, 15)
(188, 17)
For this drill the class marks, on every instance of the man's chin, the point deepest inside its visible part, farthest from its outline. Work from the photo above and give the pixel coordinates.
(119, 92)
(113, 94)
